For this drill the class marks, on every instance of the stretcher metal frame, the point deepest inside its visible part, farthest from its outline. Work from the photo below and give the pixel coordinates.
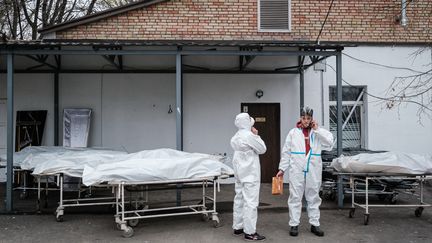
(126, 219)
(22, 186)
(367, 177)
(80, 202)
(22, 182)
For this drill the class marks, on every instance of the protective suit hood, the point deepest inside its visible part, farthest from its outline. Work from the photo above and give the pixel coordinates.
(244, 121)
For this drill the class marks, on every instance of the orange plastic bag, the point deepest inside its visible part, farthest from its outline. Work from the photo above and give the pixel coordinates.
(277, 185)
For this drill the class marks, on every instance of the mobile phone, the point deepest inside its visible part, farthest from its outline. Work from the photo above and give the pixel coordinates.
(312, 124)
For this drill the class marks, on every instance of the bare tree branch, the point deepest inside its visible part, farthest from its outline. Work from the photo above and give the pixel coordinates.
(90, 8)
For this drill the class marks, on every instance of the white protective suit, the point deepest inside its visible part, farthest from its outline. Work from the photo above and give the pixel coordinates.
(304, 171)
(247, 170)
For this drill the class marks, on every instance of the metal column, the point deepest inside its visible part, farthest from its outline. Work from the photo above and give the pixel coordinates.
(179, 114)
(179, 103)
(339, 102)
(56, 98)
(301, 71)
(339, 122)
(56, 108)
(10, 132)
(301, 88)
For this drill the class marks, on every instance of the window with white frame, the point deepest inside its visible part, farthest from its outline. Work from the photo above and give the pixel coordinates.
(353, 115)
(274, 15)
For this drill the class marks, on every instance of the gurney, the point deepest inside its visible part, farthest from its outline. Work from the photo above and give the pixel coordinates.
(126, 219)
(334, 186)
(54, 162)
(169, 168)
(393, 172)
(65, 161)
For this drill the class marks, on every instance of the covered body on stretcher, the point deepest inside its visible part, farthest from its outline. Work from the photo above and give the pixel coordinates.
(385, 174)
(111, 168)
(43, 161)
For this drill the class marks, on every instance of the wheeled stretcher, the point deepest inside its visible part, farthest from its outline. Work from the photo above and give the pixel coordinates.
(126, 218)
(360, 185)
(80, 201)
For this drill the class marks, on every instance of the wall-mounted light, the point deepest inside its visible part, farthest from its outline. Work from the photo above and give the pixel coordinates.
(259, 93)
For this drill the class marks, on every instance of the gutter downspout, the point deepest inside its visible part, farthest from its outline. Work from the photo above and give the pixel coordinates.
(403, 18)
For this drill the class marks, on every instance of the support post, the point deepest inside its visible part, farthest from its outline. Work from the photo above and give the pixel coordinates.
(179, 114)
(339, 122)
(10, 132)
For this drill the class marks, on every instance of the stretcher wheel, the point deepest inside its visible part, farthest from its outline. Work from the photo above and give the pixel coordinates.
(366, 219)
(133, 222)
(418, 212)
(128, 232)
(59, 218)
(217, 223)
(205, 217)
(351, 212)
(118, 226)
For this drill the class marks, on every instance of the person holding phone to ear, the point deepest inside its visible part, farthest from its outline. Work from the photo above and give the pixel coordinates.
(301, 156)
(247, 145)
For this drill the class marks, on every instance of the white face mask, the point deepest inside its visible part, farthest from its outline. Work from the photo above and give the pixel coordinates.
(252, 121)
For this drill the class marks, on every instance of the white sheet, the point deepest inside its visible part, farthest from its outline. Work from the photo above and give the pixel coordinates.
(155, 165)
(71, 163)
(20, 156)
(45, 160)
(388, 162)
(30, 156)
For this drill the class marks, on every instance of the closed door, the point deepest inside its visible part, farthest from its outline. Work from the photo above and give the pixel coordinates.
(267, 121)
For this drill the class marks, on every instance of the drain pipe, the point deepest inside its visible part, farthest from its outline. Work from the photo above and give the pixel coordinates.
(403, 18)
(322, 97)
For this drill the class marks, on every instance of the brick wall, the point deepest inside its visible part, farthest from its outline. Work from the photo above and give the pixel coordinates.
(349, 21)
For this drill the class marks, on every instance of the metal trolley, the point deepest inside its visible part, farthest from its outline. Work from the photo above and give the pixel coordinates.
(80, 201)
(127, 218)
(360, 184)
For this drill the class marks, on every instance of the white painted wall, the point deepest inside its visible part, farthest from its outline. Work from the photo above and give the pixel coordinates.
(212, 101)
(134, 107)
(32, 92)
(130, 111)
(135, 111)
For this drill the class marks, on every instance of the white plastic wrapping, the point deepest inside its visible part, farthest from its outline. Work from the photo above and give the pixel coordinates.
(155, 165)
(71, 163)
(388, 162)
(45, 160)
(20, 156)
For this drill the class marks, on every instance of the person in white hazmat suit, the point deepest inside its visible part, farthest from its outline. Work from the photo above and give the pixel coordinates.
(247, 145)
(301, 156)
